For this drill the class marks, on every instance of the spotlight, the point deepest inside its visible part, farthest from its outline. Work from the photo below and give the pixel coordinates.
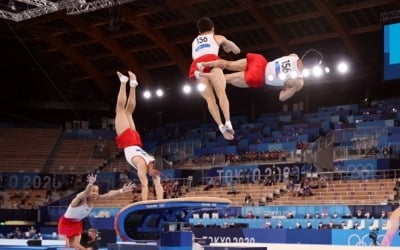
(306, 72)
(201, 87)
(147, 94)
(159, 92)
(327, 70)
(317, 71)
(343, 67)
(187, 89)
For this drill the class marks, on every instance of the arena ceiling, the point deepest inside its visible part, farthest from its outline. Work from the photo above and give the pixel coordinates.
(74, 55)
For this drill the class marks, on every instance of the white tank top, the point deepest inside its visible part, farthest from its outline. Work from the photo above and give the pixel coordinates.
(78, 213)
(203, 45)
(281, 69)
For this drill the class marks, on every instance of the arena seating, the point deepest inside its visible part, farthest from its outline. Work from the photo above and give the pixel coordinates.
(77, 156)
(376, 191)
(26, 149)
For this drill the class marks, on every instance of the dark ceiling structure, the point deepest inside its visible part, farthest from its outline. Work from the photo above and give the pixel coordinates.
(76, 46)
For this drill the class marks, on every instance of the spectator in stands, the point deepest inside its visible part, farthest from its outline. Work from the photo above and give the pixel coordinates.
(359, 214)
(383, 215)
(129, 139)
(279, 225)
(31, 232)
(16, 234)
(309, 225)
(232, 188)
(307, 188)
(290, 215)
(217, 181)
(248, 200)
(250, 215)
(322, 183)
(307, 216)
(268, 181)
(298, 225)
(70, 224)
(210, 184)
(267, 224)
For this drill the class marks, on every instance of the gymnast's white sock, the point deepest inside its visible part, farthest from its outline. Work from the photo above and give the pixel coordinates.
(122, 78)
(132, 80)
(222, 128)
(229, 128)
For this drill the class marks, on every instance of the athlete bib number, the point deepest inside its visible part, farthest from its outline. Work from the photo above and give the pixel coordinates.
(286, 66)
(201, 39)
(202, 42)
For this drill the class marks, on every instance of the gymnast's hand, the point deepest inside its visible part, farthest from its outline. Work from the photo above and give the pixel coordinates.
(129, 187)
(91, 179)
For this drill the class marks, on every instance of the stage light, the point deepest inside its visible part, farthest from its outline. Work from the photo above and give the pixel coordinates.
(159, 92)
(343, 67)
(306, 73)
(317, 71)
(327, 70)
(187, 89)
(201, 87)
(147, 94)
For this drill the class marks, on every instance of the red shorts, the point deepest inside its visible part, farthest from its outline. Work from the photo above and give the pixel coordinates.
(254, 75)
(129, 137)
(69, 228)
(204, 58)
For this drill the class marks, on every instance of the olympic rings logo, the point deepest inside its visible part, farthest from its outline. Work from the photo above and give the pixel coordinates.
(357, 240)
(361, 171)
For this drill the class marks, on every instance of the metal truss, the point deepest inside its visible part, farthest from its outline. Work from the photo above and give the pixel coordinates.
(386, 16)
(43, 7)
(95, 5)
(28, 14)
(38, 3)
